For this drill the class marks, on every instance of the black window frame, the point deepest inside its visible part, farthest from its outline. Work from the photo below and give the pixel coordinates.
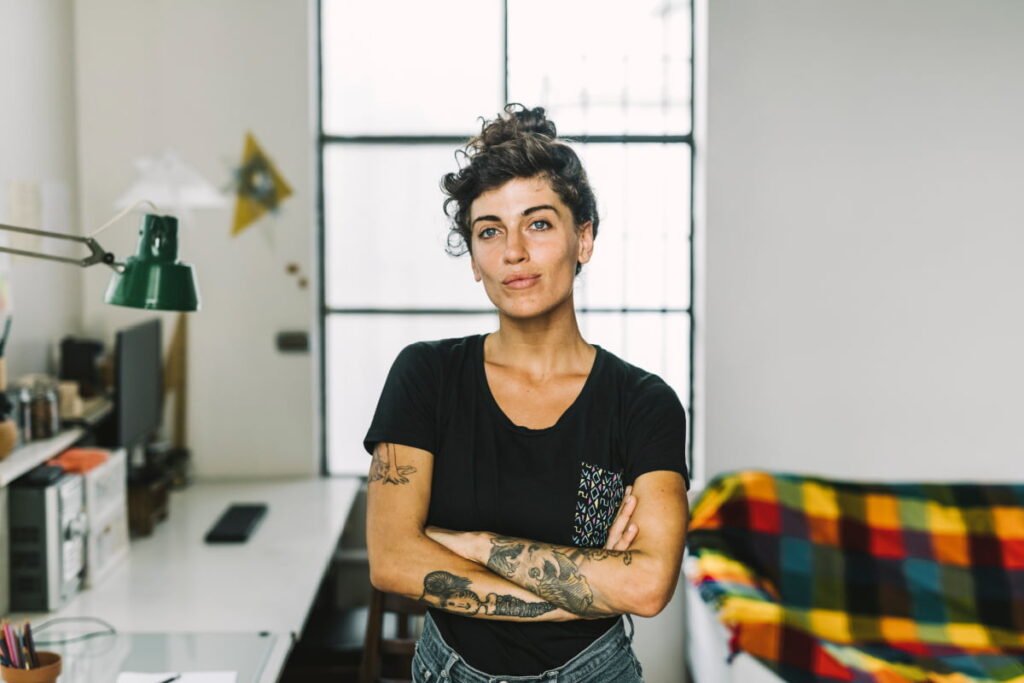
(325, 140)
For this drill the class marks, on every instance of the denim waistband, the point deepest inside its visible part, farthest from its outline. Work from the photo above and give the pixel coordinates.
(448, 665)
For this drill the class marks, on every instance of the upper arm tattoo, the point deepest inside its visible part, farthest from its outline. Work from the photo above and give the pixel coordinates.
(452, 593)
(385, 466)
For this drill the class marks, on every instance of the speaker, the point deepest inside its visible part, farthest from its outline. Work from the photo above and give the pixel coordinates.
(48, 525)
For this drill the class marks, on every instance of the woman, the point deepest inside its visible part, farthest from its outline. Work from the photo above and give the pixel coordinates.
(498, 489)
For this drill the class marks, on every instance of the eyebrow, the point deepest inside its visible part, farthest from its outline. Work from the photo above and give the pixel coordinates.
(532, 209)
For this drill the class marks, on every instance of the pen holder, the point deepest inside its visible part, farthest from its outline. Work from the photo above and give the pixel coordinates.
(47, 671)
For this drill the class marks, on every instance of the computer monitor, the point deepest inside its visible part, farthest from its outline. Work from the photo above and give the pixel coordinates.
(138, 384)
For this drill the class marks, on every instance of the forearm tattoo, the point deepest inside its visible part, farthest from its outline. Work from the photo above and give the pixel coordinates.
(598, 554)
(385, 466)
(504, 556)
(452, 593)
(551, 572)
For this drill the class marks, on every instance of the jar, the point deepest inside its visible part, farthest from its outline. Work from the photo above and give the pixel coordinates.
(24, 409)
(45, 413)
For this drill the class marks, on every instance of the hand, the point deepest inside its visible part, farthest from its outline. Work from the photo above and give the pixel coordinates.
(621, 533)
(466, 544)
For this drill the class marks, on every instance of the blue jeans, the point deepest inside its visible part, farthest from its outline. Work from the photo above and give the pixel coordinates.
(609, 659)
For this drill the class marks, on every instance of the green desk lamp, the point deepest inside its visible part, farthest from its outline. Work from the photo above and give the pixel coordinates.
(152, 279)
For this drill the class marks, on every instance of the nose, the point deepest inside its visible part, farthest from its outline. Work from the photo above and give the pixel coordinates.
(515, 248)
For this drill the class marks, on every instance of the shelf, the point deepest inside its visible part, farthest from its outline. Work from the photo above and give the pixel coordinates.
(96, 412)
(25, 457)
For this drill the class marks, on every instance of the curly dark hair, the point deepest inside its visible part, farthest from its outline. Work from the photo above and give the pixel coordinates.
(521, 143)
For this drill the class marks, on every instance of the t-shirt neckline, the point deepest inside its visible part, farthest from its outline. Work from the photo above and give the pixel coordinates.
(485, 388)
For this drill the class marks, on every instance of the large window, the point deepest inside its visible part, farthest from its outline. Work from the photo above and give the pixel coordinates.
(403, 85)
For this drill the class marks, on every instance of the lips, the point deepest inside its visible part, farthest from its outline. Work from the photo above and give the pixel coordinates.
(520, 281)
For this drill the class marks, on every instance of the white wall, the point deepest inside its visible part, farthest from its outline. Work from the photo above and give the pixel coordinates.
(865, 233)
(194, 76)
(37, 150)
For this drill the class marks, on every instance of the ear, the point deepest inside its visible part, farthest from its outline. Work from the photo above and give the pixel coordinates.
(586, 242)
(476, 269)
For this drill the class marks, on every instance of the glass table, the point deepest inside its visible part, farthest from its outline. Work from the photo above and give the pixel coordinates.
(103, 657)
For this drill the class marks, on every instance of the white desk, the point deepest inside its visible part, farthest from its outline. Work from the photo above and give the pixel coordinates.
(174, 583)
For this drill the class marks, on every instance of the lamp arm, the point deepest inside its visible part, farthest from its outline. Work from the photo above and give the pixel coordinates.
(97, 253)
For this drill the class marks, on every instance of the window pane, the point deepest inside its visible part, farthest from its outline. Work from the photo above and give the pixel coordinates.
(385, 230)
(410, 67)
(360, 351)
(388, 252)
(642, 252)
(603, 67)
(656, 342)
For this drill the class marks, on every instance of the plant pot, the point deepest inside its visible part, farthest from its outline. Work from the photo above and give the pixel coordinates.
(47, 671)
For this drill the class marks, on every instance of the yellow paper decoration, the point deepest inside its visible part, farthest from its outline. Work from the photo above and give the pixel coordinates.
(260, 187)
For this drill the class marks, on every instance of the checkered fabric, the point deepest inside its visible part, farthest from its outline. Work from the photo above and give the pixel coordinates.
(838, 581)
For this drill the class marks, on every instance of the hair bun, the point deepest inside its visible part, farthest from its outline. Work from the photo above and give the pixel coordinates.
(532, 120)
(516, 122)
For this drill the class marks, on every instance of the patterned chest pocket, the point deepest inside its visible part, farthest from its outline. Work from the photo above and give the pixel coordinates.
(597, 500)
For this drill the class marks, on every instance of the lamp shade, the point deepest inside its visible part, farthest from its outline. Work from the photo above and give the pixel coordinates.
(154, 279)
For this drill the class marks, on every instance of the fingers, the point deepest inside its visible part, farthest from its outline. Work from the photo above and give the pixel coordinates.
(617, 527)
(627, 538)
(622, 503)
(621, 520)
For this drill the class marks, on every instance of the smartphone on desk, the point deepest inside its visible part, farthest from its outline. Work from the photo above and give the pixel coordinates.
(237, 523)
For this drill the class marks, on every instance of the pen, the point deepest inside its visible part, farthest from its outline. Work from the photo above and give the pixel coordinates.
(17, 647)
(30, 645)
(20, 647)
(171, 679)
(3, 339)
(12, 649)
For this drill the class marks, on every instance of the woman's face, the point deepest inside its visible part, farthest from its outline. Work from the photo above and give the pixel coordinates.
(462, 601)
(525, 246)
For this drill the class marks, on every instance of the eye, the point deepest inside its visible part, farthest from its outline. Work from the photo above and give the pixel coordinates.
(487, 233)
(544, 225)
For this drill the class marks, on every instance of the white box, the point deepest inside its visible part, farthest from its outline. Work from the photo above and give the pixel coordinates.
(106, 486)
(106, 504)
(106, 544)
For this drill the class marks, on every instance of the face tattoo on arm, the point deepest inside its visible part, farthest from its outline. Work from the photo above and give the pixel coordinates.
(385, 466)
(452, 593)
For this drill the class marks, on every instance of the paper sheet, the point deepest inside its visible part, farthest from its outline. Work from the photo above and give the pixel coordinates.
(186, 677)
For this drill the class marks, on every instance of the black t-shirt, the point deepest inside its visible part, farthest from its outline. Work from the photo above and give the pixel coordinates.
(559, 485)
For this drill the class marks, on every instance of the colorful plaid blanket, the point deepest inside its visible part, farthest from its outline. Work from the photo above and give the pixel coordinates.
(836, 581)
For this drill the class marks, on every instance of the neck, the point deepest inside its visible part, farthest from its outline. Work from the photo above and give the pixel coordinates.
(541, 346)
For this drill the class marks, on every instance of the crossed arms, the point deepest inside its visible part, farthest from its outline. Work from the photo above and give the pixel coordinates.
(484, 575)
